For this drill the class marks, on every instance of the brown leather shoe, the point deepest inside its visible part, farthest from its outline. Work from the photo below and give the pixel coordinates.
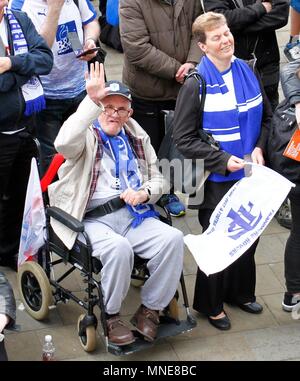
(146, 322)
(118, 333)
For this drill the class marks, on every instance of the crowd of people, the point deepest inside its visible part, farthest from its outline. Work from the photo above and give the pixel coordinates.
(110, 133)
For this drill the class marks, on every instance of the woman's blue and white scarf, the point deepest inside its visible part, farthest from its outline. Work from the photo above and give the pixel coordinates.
(236, 125)
(126, 171)
(32, 90)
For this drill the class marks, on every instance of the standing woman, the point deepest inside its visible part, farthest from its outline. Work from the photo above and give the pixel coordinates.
(290, 81)
(236, 113)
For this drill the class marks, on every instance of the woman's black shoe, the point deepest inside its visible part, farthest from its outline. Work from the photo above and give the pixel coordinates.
(252, 308)
(222, 323)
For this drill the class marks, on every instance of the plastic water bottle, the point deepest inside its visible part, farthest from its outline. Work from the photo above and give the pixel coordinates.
(48, 349)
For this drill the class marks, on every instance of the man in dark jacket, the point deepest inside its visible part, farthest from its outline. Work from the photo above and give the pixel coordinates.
(7, 312)
(253, 24)
(24, 56)
(159, 50)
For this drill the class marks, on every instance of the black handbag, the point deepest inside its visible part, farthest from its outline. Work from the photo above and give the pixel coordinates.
(283, 125)
(192, 174)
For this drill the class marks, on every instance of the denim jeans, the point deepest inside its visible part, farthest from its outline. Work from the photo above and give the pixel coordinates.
(49, 121)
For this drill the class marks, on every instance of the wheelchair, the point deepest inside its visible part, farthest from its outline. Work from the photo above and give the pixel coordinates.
(39, 290)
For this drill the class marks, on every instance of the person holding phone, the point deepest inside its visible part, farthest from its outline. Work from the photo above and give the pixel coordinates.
(68, 27)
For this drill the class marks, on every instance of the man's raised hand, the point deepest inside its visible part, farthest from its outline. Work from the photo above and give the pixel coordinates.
(95, 83)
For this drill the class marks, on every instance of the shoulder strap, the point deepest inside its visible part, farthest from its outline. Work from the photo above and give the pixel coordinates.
(204, 136)
(238, 3)
(201, 81)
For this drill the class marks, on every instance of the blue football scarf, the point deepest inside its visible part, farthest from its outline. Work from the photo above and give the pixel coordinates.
(126, 171)
(237, 129)
(32, 90)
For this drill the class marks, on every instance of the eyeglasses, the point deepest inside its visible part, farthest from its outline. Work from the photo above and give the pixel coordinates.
(122, 112)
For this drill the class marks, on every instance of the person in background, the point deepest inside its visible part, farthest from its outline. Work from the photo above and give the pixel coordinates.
(111, 171)
(290, 82)
(241, 131)
(7, 312)
(110, 34)
(24, 56)
(159, 51)
(66, 26)
(292, 48)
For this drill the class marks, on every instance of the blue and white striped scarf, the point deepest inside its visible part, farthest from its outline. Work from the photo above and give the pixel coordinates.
(126, 171)
(32, 90)
(237, 129)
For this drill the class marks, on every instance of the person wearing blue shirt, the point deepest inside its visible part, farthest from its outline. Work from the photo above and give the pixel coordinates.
(67, 26)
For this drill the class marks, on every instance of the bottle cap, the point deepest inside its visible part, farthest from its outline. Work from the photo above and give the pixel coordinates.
(48, 338)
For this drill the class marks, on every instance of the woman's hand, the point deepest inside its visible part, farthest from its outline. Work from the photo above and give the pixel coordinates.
(5, 64)
(257, 156)
(235, 164)
(95, 83)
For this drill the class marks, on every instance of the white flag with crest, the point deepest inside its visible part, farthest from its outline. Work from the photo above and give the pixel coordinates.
(34, 221)
(239, 219)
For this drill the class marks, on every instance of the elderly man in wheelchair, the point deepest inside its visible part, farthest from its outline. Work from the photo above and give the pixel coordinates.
(109, 181)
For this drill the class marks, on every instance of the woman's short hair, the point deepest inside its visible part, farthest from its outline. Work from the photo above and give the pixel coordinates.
(206, 22)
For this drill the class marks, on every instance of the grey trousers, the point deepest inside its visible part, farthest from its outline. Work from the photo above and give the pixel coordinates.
(114, 242)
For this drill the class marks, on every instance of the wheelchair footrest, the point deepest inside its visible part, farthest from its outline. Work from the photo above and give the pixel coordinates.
(166, 329)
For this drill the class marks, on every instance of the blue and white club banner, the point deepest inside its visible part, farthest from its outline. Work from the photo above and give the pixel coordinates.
(239, 219)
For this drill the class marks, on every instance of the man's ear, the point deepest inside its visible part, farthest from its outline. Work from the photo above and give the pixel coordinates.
(130, 113)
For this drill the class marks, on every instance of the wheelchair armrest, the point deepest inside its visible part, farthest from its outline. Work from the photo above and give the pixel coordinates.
(65, 218)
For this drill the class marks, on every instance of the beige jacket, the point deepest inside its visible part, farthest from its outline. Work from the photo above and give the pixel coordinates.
(157, 40)
(78, 143)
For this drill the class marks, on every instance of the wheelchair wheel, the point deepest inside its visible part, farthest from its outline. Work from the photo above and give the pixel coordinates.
(88, 336)
(35, 290)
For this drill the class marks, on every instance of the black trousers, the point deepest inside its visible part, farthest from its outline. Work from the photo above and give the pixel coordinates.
(148, 114)
(235, 284)
(16, 151)
(3, 354)
(292, 248)
(273, 95)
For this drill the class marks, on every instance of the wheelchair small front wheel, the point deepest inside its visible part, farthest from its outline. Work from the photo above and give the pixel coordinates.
(35, 290)
(87, 335)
